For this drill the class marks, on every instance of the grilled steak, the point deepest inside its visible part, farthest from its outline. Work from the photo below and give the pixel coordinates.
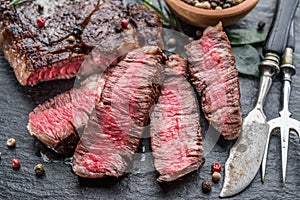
(72, 29)
(114, 129)
(215, 77)
(175, 130)
(56, 122)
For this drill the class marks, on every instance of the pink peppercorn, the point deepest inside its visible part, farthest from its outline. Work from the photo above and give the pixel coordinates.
(40, 22)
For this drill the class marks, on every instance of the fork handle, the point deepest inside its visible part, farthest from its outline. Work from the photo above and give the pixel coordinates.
(279, 32)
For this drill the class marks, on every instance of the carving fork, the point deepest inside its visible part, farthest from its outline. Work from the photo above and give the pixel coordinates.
(285, 123)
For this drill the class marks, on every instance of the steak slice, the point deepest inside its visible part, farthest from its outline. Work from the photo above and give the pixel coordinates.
(176, 138)
(113, 132)
(47, 53)
(215, 77)
(56, 121)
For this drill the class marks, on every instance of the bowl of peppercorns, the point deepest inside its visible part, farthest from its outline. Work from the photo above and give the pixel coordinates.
(203, 13)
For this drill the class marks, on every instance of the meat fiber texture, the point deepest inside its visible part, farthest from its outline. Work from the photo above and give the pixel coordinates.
(215, 77)
(176, 138)
(56, 121)
(45, 53)
(114, 130)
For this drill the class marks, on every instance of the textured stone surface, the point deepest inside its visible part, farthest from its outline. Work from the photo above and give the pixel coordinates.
(140, 183)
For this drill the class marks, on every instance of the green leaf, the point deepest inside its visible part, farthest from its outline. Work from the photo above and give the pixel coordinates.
(14, 2)
(244, 36)
(247, 60)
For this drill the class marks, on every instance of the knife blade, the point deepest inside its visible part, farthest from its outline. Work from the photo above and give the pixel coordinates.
(246, 154)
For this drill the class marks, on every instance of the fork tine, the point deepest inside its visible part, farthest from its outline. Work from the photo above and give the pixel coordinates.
(284, 150)
(264, 161)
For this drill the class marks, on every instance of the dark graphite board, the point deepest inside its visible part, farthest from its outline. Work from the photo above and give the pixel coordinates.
(140, 182)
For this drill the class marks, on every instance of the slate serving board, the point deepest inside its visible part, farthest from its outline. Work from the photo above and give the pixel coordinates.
(140, 182)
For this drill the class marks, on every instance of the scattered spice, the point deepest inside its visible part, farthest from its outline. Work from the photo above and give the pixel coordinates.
(77, 32)
(216, 176)
(213, 4)
(11, 142)
(16, 164)
(198, 33)
(71, 38)
(39, 169)
(216, 167)
(261, 25)
(40, 22)
(172, 42)
(206, 186)
(124, 23)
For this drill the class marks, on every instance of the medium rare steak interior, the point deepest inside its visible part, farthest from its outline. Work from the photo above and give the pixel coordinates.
(56, 121)
(176, 138)
(72, 29)
(215, 77)
(114, 129)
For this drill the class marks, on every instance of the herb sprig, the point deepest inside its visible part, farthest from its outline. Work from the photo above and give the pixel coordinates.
(14, 2)
(168, 17)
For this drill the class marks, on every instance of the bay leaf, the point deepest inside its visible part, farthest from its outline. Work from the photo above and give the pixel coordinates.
(245, 36)
(247, 60)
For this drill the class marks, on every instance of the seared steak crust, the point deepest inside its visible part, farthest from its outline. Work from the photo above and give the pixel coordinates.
(176, 138)
(215, 77)
(46, 53)
(114, 130)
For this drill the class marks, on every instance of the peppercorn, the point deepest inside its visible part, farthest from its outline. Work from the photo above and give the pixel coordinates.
(226, 5)
(11, 142)
(216, 167)
(39, 169)
(124, 23)
(71, 38)
(206, 186)
(40, 22)
(216, 176)
(261, 25)
(198, 33)
(77, 32)
(0, 155)
(172, 42)
(16, 163)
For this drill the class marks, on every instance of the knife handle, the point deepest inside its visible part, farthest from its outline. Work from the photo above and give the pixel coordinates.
(279, 30)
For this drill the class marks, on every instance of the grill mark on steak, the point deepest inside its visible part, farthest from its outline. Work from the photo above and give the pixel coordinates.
(215, 77)
(175, 131)
(40, 54)
(113, 132)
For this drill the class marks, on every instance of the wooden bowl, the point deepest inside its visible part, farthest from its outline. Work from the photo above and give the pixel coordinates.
(202, 17)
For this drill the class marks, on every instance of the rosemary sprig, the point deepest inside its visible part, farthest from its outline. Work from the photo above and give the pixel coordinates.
(14, 2)
(168, 17)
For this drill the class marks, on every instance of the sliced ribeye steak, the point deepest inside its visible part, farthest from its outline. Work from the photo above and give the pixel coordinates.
(215, 77)
(114, 129)
(55, 122)
(175, 131)
(55, 50)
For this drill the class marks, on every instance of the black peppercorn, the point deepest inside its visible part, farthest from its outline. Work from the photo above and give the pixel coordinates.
(206, 186)
(118, 28)
(77, 32)
(261, 25)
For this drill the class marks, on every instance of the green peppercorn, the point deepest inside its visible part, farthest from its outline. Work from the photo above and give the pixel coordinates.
(206, 186)
(39, 169)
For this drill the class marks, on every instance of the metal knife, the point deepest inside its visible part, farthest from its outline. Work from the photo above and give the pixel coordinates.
(247, 153)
